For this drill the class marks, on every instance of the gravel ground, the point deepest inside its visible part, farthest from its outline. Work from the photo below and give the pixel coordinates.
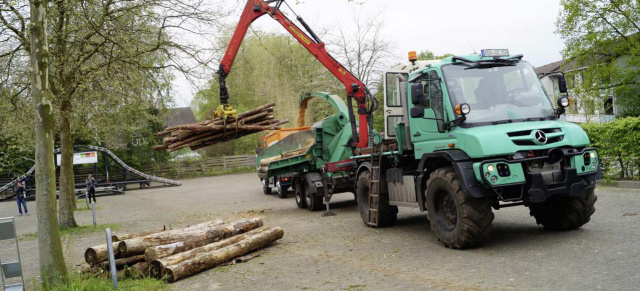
(340, 253)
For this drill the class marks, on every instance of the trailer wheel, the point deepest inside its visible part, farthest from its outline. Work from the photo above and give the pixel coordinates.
(387, 214)
(121, 187)
(313, 201)
(298, 189)
(561, 212)
(459, 220)
(265, 186)
(282, 191)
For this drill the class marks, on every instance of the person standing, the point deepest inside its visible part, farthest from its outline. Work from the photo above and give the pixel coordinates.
(21, 199)
(91, 184)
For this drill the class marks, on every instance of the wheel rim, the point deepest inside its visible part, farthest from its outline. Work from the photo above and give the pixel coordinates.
(298, 193)
(307, 196)
(447, 210)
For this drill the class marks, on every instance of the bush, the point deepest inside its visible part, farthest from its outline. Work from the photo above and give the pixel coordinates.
(618, 144)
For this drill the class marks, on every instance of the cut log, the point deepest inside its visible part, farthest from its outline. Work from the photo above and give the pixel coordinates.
(137, 246)
(122, 262)
(201, 239)
(215, 130)
(138, 270)
(157, 266)
(209, 260)
(94, 255)
(116, 238)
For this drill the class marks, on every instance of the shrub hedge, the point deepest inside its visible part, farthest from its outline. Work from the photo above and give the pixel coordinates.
(618, 144)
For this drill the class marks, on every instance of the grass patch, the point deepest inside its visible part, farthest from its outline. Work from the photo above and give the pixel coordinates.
(77, 282)
(85, 208)
(79, 230)
(230, 171)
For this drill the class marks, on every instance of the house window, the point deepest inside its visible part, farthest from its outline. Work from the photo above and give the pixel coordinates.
(608, 106)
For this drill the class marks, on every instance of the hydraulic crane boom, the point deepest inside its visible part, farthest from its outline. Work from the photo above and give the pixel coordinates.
(354, 87)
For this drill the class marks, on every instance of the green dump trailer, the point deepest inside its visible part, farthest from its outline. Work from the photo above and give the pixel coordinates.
(315, 157)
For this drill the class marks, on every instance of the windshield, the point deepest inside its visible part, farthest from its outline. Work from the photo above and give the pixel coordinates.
(498, 93)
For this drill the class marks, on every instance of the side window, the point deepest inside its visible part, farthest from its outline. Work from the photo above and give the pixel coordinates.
(392, 121)
(435, 96)
(392, 94)
(513, 80)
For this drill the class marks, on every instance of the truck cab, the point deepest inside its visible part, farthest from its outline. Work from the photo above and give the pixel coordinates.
(473, 133)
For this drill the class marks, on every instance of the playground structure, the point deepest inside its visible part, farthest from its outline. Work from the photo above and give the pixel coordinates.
(111, 173)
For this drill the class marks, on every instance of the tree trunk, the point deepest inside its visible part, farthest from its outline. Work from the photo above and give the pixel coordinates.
(158, 265)
(203, 238)
(120, 263)
(116, 238)
(67, 182)
(209, 260)
(137, 245)
(138, 270)
(97, 254)
(52, 265)
(213, 233)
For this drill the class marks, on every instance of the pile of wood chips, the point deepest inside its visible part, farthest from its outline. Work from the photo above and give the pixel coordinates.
(209, 132)
(180, 253)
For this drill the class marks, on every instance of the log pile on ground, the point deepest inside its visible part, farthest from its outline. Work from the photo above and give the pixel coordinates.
(180, 253)
(205, 133)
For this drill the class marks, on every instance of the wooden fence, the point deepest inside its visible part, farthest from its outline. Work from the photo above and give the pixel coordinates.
(202, 167)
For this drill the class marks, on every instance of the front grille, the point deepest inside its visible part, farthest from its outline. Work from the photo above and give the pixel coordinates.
(526, 138)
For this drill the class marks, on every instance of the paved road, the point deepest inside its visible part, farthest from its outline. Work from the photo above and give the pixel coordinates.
(340, 253)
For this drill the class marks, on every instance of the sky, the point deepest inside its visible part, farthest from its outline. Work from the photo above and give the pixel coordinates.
(441, 26)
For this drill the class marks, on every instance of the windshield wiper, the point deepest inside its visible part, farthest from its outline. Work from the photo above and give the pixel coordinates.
(502, 121)
(535, 119)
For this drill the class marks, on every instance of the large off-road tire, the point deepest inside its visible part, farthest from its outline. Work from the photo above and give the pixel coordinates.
(459, 220)
(313, 202)
(387, 214)
(282, 191)
(266, 189)
(562, 212)
(298, 190)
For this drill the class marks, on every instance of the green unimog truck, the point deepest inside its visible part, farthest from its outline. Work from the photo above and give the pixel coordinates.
(463, 136)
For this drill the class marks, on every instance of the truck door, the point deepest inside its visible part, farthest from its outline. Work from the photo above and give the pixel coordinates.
(392, 103)
(427, 132)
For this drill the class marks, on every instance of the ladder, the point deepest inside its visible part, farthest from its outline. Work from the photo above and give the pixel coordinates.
(374, 186)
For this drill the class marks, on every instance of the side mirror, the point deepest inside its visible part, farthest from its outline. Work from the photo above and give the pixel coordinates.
(417, 112)
(562, 84)
(417, 94)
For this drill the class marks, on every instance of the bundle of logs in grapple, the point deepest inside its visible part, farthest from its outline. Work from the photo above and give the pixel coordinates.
(180, 253)
(205, 133)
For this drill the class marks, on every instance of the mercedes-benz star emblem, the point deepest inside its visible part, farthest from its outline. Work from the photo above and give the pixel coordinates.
(540, 136)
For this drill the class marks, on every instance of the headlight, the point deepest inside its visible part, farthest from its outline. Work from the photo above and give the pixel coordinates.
(490, 168)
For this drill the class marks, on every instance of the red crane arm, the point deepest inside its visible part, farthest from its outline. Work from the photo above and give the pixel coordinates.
(354, 87)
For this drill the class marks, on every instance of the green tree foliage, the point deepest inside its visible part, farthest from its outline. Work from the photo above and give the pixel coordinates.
(617, 143)
(429, 55)
(604, 37)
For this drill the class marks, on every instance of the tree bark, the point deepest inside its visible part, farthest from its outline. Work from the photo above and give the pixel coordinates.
(201, 239)
(120, 263)
(67, 181)
(137, 245)
(209, 260)
(157, 265)
(138, 270)
(52, 265)
(97, 254)
(116, 238)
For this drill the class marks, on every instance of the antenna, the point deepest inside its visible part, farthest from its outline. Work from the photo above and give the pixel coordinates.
(474, 50)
